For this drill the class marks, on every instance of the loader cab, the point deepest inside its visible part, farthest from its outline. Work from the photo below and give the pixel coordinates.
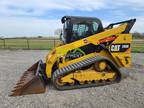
(76, 28)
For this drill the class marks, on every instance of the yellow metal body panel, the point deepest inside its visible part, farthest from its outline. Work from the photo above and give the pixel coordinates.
(61, 51)
(87, 75)
(123, 59)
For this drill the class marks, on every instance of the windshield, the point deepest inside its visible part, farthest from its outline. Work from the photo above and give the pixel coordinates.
(77, 29)
(81, 30)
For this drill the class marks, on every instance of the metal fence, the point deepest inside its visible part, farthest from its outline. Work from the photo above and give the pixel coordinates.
(28, 43)
(48, 43)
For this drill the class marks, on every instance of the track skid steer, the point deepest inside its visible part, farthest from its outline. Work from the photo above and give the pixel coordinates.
(89, 56)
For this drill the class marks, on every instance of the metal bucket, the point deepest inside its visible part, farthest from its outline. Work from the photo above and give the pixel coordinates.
(32, 81)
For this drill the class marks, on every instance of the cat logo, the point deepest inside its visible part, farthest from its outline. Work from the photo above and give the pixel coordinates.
(115, 47)
(119, 47)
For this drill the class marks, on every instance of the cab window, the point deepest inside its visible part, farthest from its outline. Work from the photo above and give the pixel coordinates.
(79, 30)
(95, 27)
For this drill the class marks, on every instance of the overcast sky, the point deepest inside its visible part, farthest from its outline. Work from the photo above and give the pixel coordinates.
(42, 17)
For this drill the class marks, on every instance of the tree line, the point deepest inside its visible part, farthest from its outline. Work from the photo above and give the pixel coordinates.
(138, 35)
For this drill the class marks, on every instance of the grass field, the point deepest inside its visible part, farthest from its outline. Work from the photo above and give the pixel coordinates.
(138, 45)
(28, 43)
(43, 44)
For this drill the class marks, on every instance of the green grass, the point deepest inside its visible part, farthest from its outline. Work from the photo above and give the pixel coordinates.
(33, 43)
(138, 45)
(138, 49)
(1, 44)
(46, 44)
(15, 43)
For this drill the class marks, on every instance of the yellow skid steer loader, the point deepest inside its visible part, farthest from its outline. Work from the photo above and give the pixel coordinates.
(89, 56)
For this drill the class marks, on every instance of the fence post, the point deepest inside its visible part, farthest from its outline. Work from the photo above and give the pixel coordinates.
(27, 43)
(4, 42)
(54, 42)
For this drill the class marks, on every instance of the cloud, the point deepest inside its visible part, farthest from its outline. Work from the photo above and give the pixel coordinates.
(139, 24)
(21, 17)
(28, 27)
(40, 6)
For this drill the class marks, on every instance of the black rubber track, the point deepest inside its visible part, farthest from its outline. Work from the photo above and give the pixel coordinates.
(73, 67)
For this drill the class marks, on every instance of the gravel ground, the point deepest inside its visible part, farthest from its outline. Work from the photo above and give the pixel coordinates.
(129, 93)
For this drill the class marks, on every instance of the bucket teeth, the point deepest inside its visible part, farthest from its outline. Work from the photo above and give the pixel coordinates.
(29, 83)
(19, 83)
(15, 90)
(22, 80)
(18, 86)
(14, 94)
